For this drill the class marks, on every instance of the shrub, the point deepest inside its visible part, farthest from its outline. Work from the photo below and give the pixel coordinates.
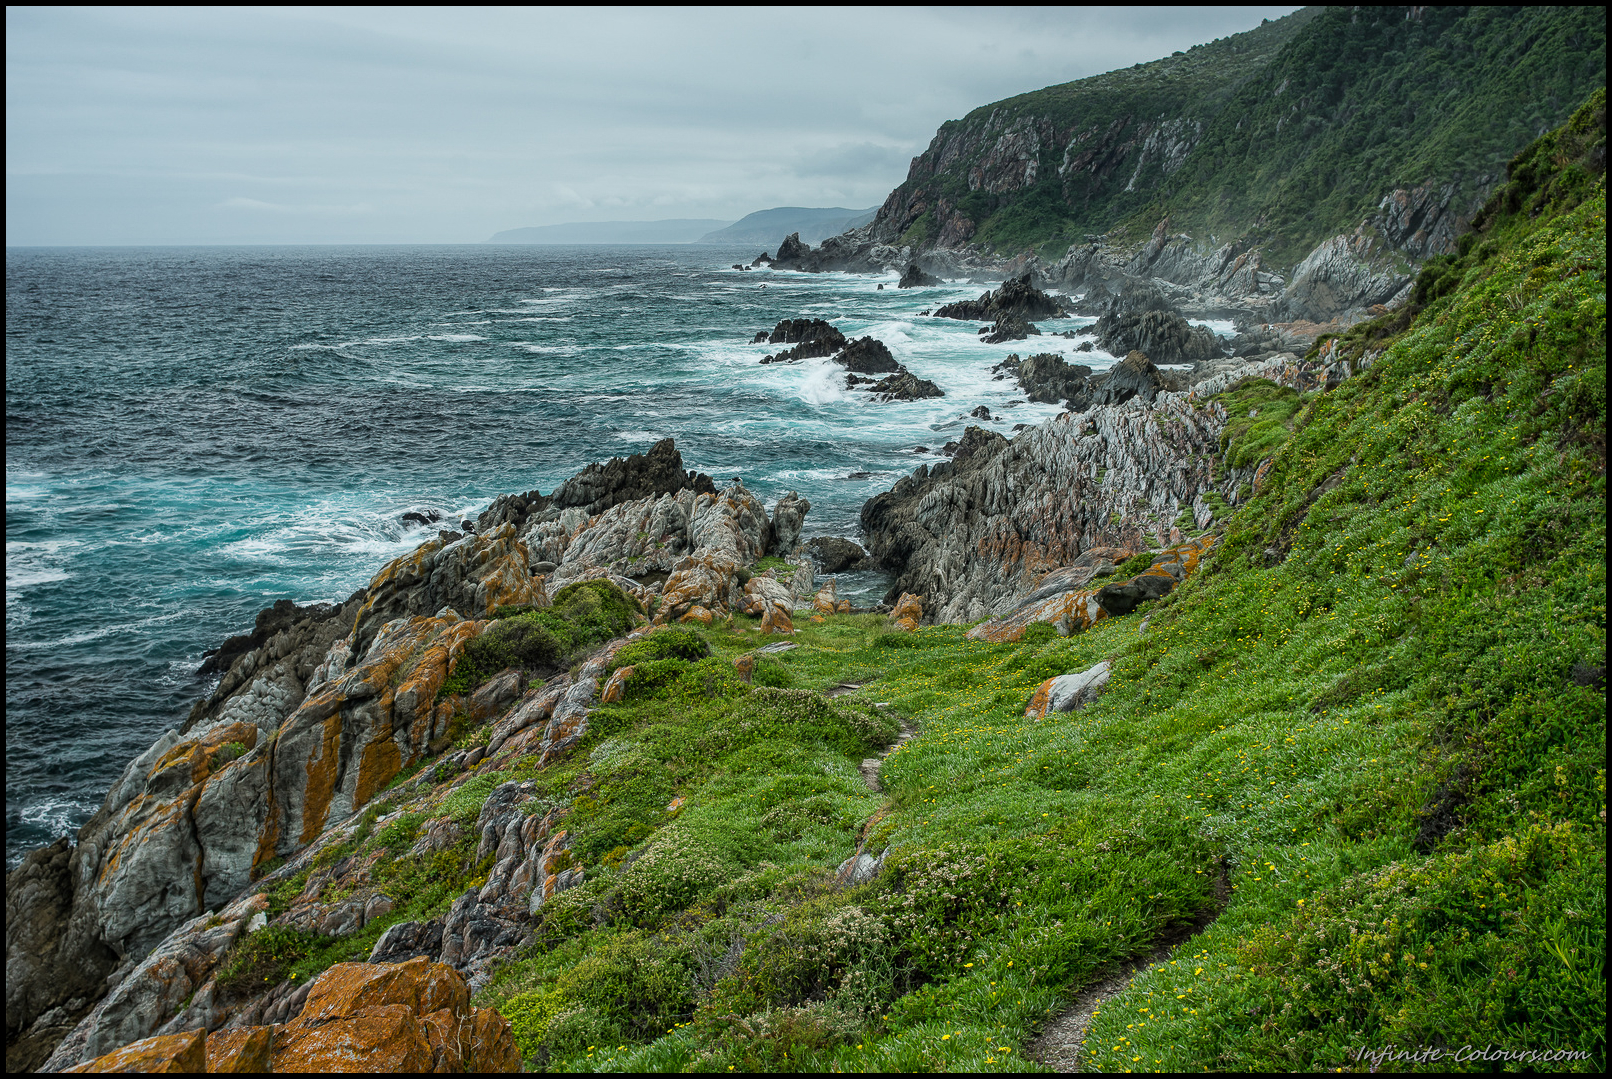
(672, 642)
(261, 960)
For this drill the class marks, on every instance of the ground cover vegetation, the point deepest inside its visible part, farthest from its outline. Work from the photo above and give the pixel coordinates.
(1353, 770)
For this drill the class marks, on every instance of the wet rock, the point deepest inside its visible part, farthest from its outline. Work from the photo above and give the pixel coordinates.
(1047, 378)
(1009, 328)
(1140, 318)
(626, 479)
(833, 554)
(982, 412)
(429, 517)
(904, 386)
(1016, 298)
(867, 356)
(913, 277)
(811, 338)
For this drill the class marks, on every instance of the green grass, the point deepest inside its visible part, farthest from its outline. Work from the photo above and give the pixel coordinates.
(1374, 720)
(1355, 765)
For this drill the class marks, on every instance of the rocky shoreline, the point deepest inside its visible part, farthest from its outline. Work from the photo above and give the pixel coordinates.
(321, 709)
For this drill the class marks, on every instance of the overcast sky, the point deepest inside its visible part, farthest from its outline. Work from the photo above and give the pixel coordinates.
(444, 126)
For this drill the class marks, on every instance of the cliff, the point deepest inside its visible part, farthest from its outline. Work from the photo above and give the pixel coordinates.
(1300, 171)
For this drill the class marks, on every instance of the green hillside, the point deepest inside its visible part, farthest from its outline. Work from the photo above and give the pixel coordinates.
(1365, 746)
(1287, 134)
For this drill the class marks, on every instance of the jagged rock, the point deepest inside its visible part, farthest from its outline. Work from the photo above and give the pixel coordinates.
(833, 554)
(151, 993)
(1134, 376)
(1068, 692)
(168, 1053)
(1016, 298)
(1343, 274)
(1139, 318)
(908, 612)
(788, 516)
(867, 356)
(792, 250)
(761, 259)
(979, 532)
(1074, 609)
(640, 475)
(811, 337)
(913, 277)
(1009, 328)
(1047, 378)
(52, 952)
(904, 386)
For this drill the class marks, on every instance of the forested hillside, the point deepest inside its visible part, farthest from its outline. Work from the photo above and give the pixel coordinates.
(1285, 135)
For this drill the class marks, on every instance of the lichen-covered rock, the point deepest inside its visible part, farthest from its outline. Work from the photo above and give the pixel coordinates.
(176, 1053)
(788, 516)
(1068, 692)
(908, 612)
(474, 576)
(241, 1052)
(827, 599)
(1062, 600)
(150, 994)
(776, 620)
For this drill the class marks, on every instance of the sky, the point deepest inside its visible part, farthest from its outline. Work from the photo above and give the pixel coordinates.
(376, 125)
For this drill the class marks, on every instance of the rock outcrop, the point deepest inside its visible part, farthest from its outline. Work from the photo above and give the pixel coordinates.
(1014, 299)
(1068, 692)
(913, 277)
(811, 337)
(321, 708)
(398, 1018)
(1140, 319)
(833, 554)
(976, 535)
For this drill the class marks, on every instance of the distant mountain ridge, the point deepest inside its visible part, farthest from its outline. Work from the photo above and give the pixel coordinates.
(680, 230)
(770, 227)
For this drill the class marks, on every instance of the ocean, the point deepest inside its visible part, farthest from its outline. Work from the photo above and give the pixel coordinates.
(194, 433)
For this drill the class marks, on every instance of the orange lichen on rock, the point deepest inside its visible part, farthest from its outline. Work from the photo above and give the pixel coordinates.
(185, 1052)
(698, 614)
(616, 687)
(745, 666)
(776, 620)
(246, 1051)
(908, 612)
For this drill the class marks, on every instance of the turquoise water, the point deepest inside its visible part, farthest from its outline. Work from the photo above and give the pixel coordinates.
(194, 433)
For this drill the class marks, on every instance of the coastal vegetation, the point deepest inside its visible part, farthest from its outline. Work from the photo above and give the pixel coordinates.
(1288, 134)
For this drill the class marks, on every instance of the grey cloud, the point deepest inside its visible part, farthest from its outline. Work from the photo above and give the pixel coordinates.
(446, 125)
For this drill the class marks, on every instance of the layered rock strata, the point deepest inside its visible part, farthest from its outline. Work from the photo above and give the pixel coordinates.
(975, 536)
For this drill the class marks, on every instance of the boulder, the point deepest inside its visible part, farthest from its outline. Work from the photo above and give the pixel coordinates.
(1009, 328)
(788, 516)
(867, 356)
(1139, 318)
(168, 1053)
(1016, 298)
(908, 612)
(903, 386)
(827, 599)
(1047, 378)
(833, 554)
(1068, 692)
(811, 337)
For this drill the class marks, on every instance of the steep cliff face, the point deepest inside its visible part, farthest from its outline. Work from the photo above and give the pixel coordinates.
(1280, 136)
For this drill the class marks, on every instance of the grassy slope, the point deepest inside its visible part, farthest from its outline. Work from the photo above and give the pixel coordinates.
(1389, 746)
(1301, 145)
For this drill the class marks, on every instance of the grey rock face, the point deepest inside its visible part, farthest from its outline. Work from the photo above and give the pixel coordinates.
(625, 479)
(913, 277)
(976, 535)
(47, 962)
(1071, 692)
(788, 517)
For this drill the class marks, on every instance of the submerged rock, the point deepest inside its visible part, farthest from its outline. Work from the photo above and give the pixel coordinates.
(913, 277)
(1016, 298)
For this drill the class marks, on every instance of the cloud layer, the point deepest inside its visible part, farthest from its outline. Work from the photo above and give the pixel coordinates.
(444, 126)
